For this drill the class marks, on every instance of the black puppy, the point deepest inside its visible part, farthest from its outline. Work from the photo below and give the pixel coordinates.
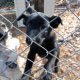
(34, 25)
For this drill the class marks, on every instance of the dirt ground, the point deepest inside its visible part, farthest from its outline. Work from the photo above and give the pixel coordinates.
(69, 60)
(69, 67)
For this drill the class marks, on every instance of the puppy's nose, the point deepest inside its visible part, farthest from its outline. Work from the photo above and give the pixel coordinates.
(1, 34)
(28, 41)
(11, 64)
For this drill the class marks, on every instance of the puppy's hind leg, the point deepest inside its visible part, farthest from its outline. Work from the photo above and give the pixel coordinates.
(56, 61)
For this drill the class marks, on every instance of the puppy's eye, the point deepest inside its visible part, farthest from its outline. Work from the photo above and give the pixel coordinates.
(46, 31)
(3, 25)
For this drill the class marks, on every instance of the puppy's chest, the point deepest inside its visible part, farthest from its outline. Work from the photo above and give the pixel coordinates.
(48, 44)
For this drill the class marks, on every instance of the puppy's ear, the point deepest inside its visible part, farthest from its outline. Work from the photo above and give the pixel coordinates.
(23, 16)
(55, 21)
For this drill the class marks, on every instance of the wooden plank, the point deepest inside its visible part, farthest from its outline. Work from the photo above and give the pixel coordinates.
(39, 5)
(49, 6)
(20, 7)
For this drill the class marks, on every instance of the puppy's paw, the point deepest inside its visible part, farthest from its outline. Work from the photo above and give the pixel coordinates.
(48, 76)
(56, 70)
(24, 78)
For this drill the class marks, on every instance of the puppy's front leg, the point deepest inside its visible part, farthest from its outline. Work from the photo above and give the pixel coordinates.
(29, 63)
(47, 66)
(51, 66)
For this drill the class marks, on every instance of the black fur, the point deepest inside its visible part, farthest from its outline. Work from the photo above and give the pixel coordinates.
(34, 25)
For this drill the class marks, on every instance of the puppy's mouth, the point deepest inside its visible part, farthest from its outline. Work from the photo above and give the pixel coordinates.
(11, 65)
(37, 40)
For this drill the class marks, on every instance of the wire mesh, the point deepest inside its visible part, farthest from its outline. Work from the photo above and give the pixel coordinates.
(69, 60)
(7, 4)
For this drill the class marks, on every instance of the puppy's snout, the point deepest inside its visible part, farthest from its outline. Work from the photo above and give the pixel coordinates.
(11, 64)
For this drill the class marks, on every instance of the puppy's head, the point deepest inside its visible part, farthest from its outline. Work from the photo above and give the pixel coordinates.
(35, 24)
(3, 29)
